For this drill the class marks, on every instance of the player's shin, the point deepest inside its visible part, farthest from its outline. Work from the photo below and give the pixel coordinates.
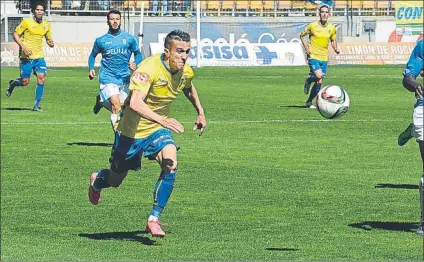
(101, 180)
(315, 90)
(162, 192)
(312, 78)
(421, 224)
(15, 83)
(114, 121)
(39, 90)
(114, 117)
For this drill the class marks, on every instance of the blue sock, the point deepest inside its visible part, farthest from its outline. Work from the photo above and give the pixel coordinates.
(162, 192)
(39, 90)
(314, 92)
(101, 182)
(16, 82)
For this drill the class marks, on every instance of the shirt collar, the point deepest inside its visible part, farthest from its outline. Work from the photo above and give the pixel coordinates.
(162, 58)
(117, 33)
(35, 19)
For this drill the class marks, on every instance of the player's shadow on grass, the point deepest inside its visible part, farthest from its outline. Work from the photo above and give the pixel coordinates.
(281, 249)
(16, 109)
(294, 106)
(394, 226)
(397, 186)
(126, 236)
(89, 144)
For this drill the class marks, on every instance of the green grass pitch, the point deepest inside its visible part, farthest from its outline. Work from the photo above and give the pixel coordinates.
(269, 180)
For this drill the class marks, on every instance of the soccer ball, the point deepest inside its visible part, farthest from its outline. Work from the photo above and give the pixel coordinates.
(332, 102)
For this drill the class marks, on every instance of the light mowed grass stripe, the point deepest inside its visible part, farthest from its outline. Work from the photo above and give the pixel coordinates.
(215, 122)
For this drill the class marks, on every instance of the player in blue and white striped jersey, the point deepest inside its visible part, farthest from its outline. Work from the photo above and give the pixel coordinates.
(116, 48)
(413, 69)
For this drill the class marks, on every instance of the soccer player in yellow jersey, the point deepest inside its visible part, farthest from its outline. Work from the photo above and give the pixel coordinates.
(319, 33)
(145, 126)
(29, 36)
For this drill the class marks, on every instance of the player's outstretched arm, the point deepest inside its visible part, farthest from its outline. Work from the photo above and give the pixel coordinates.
(138, 105)
(132, 66)
(412, 85)
(305, 32)
(92, 60)
(137, 60)
(335, 46)
(49, 39)
(138, 57)
(305, 44)
(193, 97)
(50, 43)
(25, 49)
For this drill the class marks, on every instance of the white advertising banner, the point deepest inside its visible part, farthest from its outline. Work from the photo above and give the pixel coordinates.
(385, 31)
(244, 54)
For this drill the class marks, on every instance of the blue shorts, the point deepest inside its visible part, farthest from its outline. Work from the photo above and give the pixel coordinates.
(127, 152)
(315, 65)
(28, 66)
(414, 67)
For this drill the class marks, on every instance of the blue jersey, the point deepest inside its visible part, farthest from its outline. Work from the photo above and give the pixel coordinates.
(415, 65)
(416, 60)
(116, 52)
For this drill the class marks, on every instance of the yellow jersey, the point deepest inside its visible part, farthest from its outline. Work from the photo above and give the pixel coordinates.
(162, 88)
(318, 38)
(33, 34)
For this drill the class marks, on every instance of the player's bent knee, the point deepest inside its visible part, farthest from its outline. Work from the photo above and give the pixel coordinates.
(169, 165)
(41, 78)
(116, 105)
(115, 109)
(115, 179)
(318, 74)
(25, 81)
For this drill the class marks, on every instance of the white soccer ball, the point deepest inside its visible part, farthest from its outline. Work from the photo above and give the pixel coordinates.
(332, 102)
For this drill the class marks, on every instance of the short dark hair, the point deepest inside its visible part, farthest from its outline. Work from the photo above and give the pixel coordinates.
(113, 11)
(34, 5)
(324, 6)
(176, 35)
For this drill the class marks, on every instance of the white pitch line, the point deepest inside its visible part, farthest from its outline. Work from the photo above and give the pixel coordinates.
(213, 122)
(54, 123)
(314, 120)
(61, 70)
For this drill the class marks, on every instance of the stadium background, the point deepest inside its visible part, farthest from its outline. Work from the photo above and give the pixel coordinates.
(367, 30)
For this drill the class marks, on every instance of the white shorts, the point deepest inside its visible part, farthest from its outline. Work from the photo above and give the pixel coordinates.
(108, 90)
(418, 123)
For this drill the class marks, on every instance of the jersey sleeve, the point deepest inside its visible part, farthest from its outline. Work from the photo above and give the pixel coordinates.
(307, 30)
(190, 76)
(93, 54)
(134, 45)
(20, 29)
(416, 62)
(143, 78)
(134, 49)
(333, 34)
